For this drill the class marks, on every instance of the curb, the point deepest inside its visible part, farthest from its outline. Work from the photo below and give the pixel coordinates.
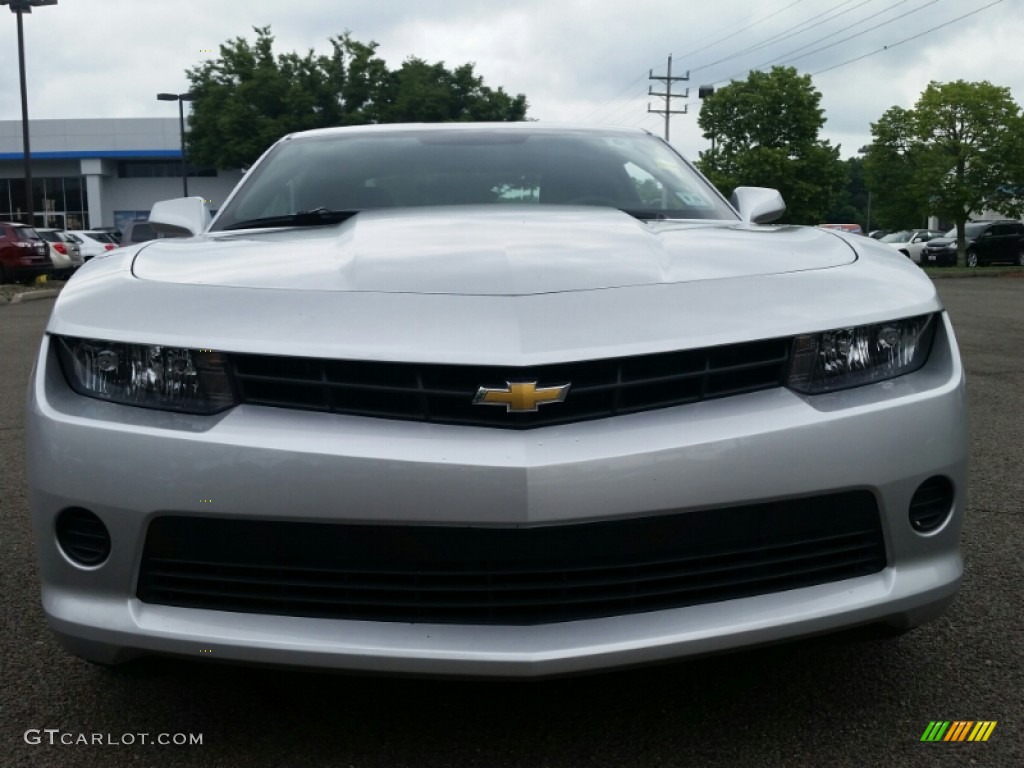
(31, 295)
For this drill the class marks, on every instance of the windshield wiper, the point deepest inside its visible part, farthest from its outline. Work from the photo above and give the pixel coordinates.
(645, 215)
(310, 218)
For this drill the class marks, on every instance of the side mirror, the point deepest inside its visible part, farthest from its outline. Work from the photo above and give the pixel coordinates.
(180, 217)
(758, 205)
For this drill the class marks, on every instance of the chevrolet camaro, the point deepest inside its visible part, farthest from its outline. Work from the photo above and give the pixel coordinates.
(505, 400)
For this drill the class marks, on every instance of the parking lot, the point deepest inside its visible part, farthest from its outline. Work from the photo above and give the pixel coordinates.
(845, 701)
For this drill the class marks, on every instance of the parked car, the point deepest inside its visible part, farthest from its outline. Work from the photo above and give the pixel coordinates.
(141, 231)
(987, 242)
(65, 253)
(910, 242)
(24, 255)
(854, 229)
(453, 399)
(113, 233)
(92, 243)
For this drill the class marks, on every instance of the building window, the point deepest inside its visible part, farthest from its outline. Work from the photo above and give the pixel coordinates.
(58, 202)
(158, 169)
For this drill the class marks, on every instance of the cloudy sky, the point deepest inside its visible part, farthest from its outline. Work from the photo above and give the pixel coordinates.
(584, 61)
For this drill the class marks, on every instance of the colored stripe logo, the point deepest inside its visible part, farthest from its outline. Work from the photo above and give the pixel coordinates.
(958, 730)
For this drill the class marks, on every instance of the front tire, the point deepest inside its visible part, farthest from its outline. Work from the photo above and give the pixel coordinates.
(972, 259)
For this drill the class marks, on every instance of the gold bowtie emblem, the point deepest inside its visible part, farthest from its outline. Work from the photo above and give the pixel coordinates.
(521, 396)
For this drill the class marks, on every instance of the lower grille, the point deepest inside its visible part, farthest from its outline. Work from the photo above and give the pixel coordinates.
(465, 575)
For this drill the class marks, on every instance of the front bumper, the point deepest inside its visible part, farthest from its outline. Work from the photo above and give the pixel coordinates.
(129, 465)
(936, 258)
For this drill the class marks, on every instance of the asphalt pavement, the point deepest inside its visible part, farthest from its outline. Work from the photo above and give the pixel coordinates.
(839, 701)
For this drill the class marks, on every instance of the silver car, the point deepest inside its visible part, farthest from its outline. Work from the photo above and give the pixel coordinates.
(504, 400)
(65, 253)
(910, 242)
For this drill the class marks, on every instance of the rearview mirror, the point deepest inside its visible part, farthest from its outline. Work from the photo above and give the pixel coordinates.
(758, 205)
(180, 217)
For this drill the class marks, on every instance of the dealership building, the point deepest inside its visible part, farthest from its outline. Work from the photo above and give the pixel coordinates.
(99, 172)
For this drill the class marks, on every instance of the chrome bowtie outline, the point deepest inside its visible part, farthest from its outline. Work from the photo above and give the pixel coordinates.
(521, 396)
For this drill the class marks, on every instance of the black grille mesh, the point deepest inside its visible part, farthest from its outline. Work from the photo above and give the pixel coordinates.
(444, 393)
(542, 574)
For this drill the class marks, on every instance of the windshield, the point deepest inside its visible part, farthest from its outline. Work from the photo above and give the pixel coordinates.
(971, 230)
(26, 234)
(359, 170)
(101, 237)
(897, 237)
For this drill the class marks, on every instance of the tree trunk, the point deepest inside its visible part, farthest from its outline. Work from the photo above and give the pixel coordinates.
(961, 242)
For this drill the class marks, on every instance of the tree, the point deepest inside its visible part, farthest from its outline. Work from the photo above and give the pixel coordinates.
(892, 167)
(247, 98)
(430, 93)
(959, 151)
(853, 204)
(764, 132)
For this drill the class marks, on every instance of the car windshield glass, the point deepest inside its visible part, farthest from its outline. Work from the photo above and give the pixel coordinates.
(101, 237)
(972, 230)
(360, 170)
(50, 237)
(897, 237)
(26, 233)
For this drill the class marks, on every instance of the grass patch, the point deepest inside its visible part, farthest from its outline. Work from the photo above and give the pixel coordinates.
(944, 272)
(9, 290)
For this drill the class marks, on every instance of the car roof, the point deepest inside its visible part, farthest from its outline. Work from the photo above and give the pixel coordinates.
(500, 127)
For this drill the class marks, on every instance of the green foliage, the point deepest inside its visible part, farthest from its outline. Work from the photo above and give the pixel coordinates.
(892, 169)
(853, 203)
(958, 152)
(764, 132)
(248, 98)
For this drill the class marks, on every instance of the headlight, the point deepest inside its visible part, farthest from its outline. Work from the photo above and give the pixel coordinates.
(849, 357)
(167, 378)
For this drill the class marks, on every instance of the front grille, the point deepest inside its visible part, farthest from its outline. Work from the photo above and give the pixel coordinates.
(544, 574)
(444, 393)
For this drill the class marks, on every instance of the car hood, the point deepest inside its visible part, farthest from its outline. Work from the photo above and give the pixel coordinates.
(941, 242)
(483, 251)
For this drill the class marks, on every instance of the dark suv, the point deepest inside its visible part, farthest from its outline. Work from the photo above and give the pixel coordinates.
(988, 242)
(24, 255)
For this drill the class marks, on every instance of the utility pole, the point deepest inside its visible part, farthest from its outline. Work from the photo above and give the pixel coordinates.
(667, 95)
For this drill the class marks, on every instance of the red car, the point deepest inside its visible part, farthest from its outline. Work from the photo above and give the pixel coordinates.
(24, 255)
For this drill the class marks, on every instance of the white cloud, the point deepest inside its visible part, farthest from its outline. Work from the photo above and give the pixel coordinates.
(576, 60)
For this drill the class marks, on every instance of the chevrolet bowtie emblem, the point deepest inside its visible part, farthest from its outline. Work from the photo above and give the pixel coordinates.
(521, 396)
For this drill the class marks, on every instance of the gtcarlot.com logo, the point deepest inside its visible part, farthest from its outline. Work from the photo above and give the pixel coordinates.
(55, 736)
(958, 730)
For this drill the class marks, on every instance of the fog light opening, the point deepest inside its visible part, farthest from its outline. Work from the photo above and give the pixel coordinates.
(82, 536)
(932, 504)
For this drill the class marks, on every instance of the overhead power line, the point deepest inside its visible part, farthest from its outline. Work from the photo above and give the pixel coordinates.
(787, 33)
(898, 43)
(866, 19)
(908, 39)
(787, 58)
(744, 29)
(862, 32)
(597, 110)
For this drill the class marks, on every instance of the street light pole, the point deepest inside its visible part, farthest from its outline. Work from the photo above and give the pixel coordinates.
(181, 98)
(29, 202)
(19, 8)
